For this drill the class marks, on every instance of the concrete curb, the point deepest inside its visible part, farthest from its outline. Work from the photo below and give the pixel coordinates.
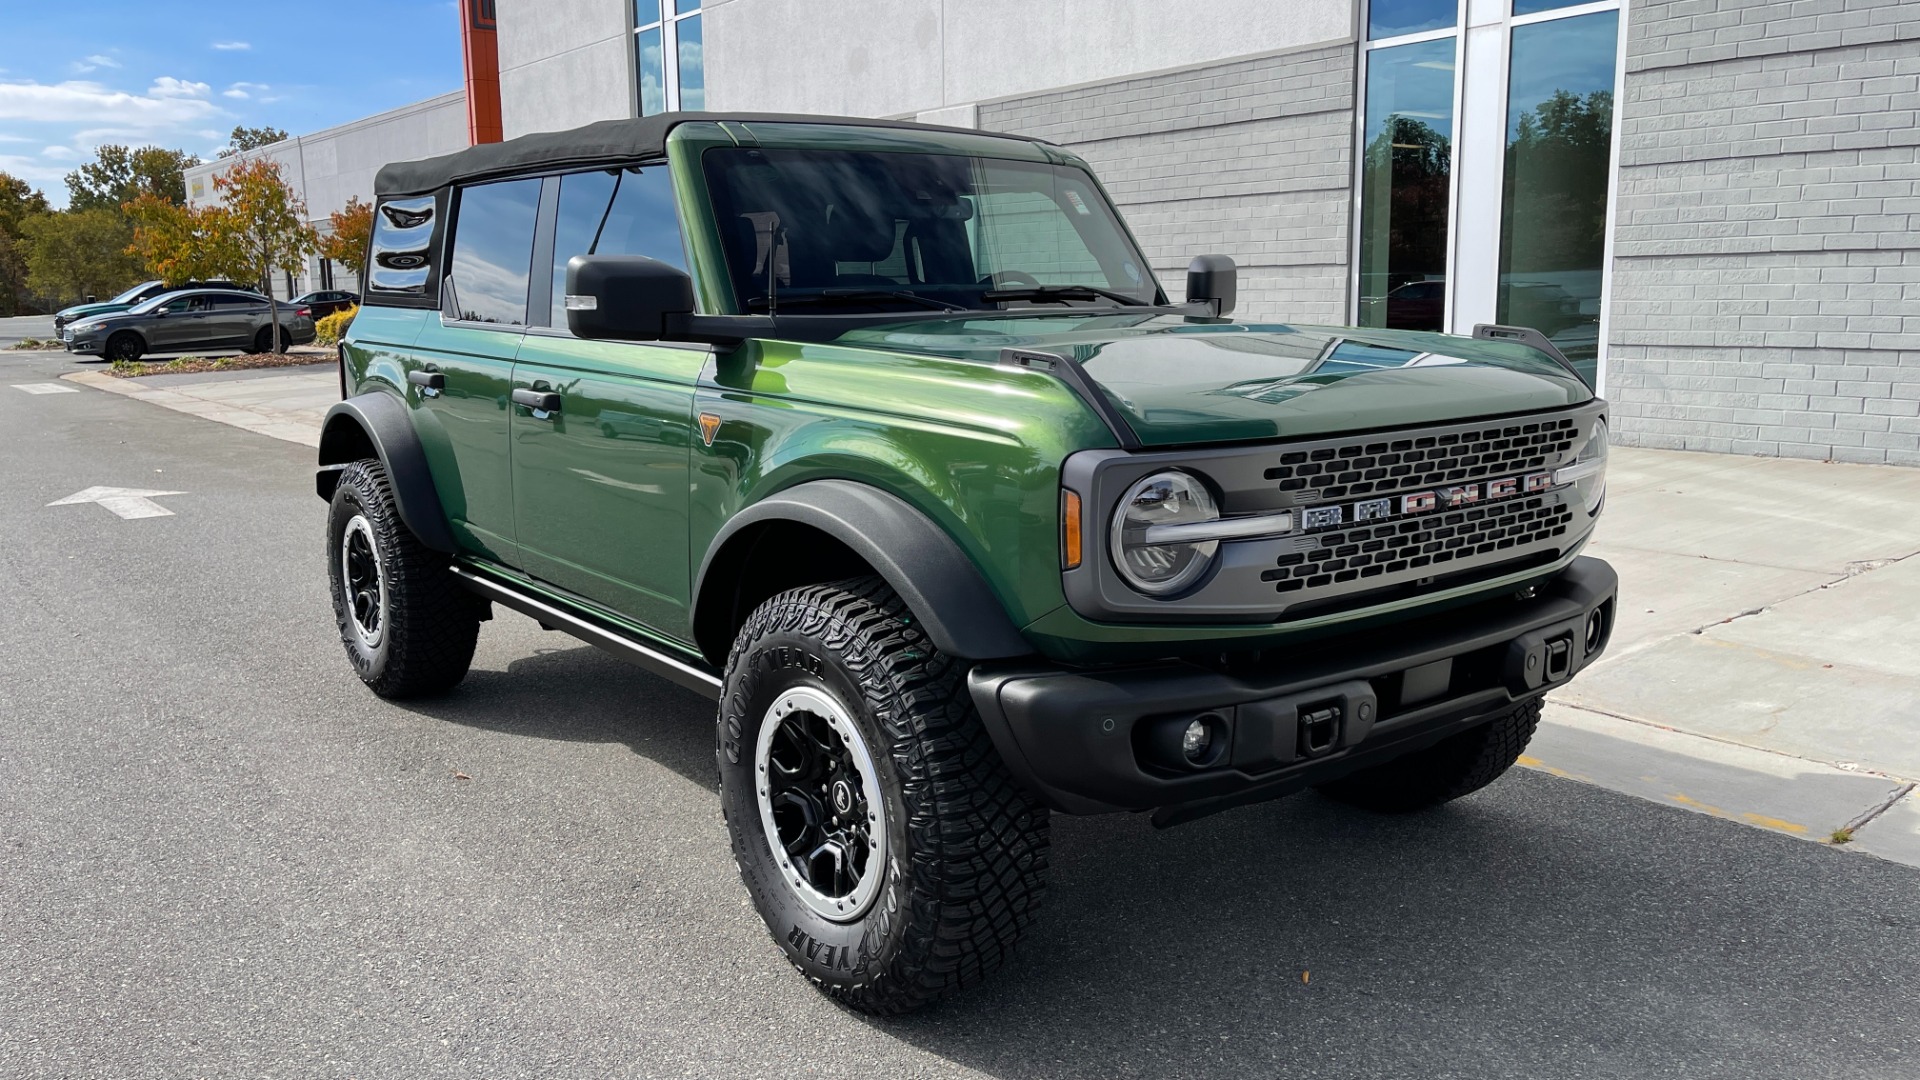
(285, 424)
(1811, 800)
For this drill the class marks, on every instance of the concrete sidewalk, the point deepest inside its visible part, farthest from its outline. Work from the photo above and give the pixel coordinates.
(1765, 665)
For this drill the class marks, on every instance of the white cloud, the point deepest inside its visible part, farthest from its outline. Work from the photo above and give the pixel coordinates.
(166, 86)
(241, 91)
(232, 46)
(60, 153)
(94, 63)
(90, 102)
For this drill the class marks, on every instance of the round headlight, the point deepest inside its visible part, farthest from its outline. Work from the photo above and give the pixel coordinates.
(1168, 498)
(1591, 486)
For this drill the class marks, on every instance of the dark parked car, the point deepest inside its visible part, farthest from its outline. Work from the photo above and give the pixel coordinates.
(139, 294)
(191, 319)
(328, 301)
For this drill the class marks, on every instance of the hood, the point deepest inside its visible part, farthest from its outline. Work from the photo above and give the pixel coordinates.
(81, 311)
(1179, 381)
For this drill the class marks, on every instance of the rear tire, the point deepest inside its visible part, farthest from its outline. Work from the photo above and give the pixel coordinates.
(908, 861)
(1457, 765)
(408, 627)
(125, 346)
(263, 342)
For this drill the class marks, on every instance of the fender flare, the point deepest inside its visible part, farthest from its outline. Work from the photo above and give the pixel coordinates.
(380, 419)
(940, 584)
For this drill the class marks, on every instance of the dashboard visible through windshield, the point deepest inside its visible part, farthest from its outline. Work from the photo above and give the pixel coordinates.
(840, 232)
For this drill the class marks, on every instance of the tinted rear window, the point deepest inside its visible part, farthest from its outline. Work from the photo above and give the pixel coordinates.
(493, 249)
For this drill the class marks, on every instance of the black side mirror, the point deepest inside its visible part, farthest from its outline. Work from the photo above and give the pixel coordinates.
(625, 297)
(1213, 280)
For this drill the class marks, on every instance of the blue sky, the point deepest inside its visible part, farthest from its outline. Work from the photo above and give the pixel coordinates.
(175, 74)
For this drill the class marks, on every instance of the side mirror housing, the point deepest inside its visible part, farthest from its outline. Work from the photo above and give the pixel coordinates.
(625, 297)
(1213, 280)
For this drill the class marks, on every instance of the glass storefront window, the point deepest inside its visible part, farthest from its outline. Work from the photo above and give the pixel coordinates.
(1553, 216)
(1530, 7)
(653, 77)
(1405, 172)
(1392, 18)
(693, 81)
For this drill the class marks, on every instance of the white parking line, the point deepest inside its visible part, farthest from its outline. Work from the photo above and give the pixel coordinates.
(127, 503)
(46, 388)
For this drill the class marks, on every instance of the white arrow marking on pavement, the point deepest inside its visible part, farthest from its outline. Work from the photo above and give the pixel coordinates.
(128, 503)
(46, 388)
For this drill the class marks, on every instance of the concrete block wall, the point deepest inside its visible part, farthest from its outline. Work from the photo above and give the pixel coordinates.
(1766, 289)
(1251, 158)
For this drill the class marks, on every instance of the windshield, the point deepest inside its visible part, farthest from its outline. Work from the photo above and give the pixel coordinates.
(133, 294)
(838, 232)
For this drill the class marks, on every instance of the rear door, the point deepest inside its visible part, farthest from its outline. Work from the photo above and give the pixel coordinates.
(232, 322)
(460, 367)
(600, 485)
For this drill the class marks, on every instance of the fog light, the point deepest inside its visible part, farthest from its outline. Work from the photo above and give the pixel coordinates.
(1197, 743)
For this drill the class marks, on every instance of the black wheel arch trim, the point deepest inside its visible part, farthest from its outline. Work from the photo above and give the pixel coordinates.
(940, 584)
(382, 420)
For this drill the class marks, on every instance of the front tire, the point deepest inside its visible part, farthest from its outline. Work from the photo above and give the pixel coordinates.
(408, 627)
(125, 346)
(881, 838)
(1455, 766)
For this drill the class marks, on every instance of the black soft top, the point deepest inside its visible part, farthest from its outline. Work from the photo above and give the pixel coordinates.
(608, 142)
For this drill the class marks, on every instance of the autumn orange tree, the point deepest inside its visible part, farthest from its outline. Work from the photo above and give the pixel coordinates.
(349, 230)
(184, 243)
(265, 221)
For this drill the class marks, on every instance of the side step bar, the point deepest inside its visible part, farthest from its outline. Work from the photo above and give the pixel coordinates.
(663, 664)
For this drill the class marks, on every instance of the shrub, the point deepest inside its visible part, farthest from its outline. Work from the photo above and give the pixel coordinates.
(330, 330)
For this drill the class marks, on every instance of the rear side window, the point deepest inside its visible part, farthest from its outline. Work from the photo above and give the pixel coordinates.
(493, 250)
(617, 212)
(402, 247)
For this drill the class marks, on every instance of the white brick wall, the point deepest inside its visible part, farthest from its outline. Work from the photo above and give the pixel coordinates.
(1250, 159)
(1766, 292)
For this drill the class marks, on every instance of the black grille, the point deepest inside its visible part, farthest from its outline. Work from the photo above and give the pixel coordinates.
(1388, 466)
(1431, 540)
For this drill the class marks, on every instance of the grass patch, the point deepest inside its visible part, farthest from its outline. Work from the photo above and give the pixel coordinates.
(1840, 836)
(193, 365)
(32, 345)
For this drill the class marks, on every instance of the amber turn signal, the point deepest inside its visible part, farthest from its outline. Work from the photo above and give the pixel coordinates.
(1070, 529)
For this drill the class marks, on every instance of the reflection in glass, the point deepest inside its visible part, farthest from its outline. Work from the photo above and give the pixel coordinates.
(629, 212)
(646, 12)
(653, 79)
(492, 247)
(1553, 215)
(1528, 7)
(1391, 18)
(1404, 173)
(693, 80)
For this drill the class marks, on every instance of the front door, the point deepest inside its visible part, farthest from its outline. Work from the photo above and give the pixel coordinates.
(600, 484)
(182, 324)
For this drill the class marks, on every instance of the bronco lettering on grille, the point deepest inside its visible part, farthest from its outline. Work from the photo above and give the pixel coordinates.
(1421, 502)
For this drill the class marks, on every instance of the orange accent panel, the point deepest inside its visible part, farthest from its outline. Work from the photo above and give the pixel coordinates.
(480, 48)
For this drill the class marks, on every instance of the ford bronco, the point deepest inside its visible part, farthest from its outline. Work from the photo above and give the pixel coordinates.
(886, 437)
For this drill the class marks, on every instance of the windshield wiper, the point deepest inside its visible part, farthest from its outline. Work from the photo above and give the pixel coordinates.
(1061, 292)
(852, 296)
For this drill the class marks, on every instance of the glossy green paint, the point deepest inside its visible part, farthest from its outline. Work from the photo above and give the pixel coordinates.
(975, 447)
(1182, 381)
(600, 488)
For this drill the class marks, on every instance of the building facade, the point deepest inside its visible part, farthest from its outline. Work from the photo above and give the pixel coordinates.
(327, 168)
(1712, 206)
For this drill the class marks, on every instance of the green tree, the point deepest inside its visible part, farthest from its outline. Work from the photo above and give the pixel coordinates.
(118, 175)
(80, 253)
(1406, 172)
(18, 201)
(184, 243)
(265, 221)
(246, 138)
(348, 232)
(1555, 217)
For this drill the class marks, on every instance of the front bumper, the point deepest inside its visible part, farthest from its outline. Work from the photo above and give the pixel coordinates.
(1095, 741)
(76, 343)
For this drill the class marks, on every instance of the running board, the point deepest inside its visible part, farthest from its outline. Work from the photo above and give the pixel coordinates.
(660, 663)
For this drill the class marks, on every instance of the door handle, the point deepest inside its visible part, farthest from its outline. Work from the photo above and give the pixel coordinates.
(542, 403)
(429, 382)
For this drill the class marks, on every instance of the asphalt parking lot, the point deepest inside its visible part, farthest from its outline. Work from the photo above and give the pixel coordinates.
(223, 857)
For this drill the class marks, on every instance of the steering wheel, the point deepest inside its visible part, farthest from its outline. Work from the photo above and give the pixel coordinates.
(1004, 278)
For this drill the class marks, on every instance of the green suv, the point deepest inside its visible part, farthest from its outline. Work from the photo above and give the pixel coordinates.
(885, 437)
